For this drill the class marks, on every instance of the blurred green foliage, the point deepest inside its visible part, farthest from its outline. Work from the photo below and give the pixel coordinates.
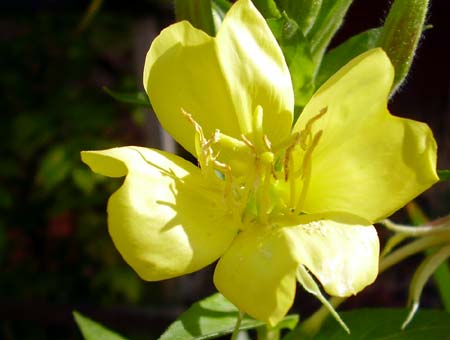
(54, 247)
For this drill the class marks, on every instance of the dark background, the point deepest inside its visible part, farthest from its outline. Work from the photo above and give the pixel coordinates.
(55, 252)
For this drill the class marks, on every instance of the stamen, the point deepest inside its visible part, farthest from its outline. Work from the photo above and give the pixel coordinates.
(257, 123)
(200, 141)
(306, 174)
(196, 125)
(230, 199)
(288, 155)
(248, 142)
(292, 184)
(267, 143)
(203, 148)
(286, 142)
(306, 134)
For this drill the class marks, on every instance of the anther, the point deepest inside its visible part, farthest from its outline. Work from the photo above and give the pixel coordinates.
(197, 126)
(267, 143)
(307, 170)
(288, 155)
(248, 142)
(306, 132)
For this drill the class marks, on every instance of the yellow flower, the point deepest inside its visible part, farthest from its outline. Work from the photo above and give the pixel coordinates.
(268, 200)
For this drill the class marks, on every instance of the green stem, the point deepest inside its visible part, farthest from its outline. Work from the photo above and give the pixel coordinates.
(266, 333)
(197, 12)
(416, 231)
(312, 325)
(237, 326)
(411, 249)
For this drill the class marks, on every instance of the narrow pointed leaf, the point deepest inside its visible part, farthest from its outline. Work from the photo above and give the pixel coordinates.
(224, 5)
(306, 280)
(219, 9)
(421, 276)
(296, 50)
(92, 330)
(329, 20)
(401, 33)
(214, 317)
(416, 214)
(268, 8)
(342, 54)
(444, 175)
(135, 98)
(441, 275)
(392, 242)
(303, 12)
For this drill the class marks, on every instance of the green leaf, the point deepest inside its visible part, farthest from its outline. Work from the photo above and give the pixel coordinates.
(400, 35)
(219, 10)
(416, 214)
(303, 12)
(136, 98)
(342, 54)
(197, 12)
(92, 330)
(224, 5)
(444, 175)
(329, 19)
(54, 168)
(384, 323)
(296, 51)
(213, 317)
(268, 8)
(83, 179)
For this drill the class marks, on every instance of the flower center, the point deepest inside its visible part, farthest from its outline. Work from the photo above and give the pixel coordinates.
(261, 180)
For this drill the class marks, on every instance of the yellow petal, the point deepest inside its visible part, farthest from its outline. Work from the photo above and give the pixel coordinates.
(220, 81)
(343, 257)
(254, 67)
(367, 161)
(182, 71)
(257, 274)
(164, 220)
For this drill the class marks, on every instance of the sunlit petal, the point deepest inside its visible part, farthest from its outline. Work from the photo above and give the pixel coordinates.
(182, 71)
(257, 274)
(367, 161)
(164, 220)
(255, 69)
(343, 257)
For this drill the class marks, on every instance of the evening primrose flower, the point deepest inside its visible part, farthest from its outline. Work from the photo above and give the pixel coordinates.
(271, 202)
